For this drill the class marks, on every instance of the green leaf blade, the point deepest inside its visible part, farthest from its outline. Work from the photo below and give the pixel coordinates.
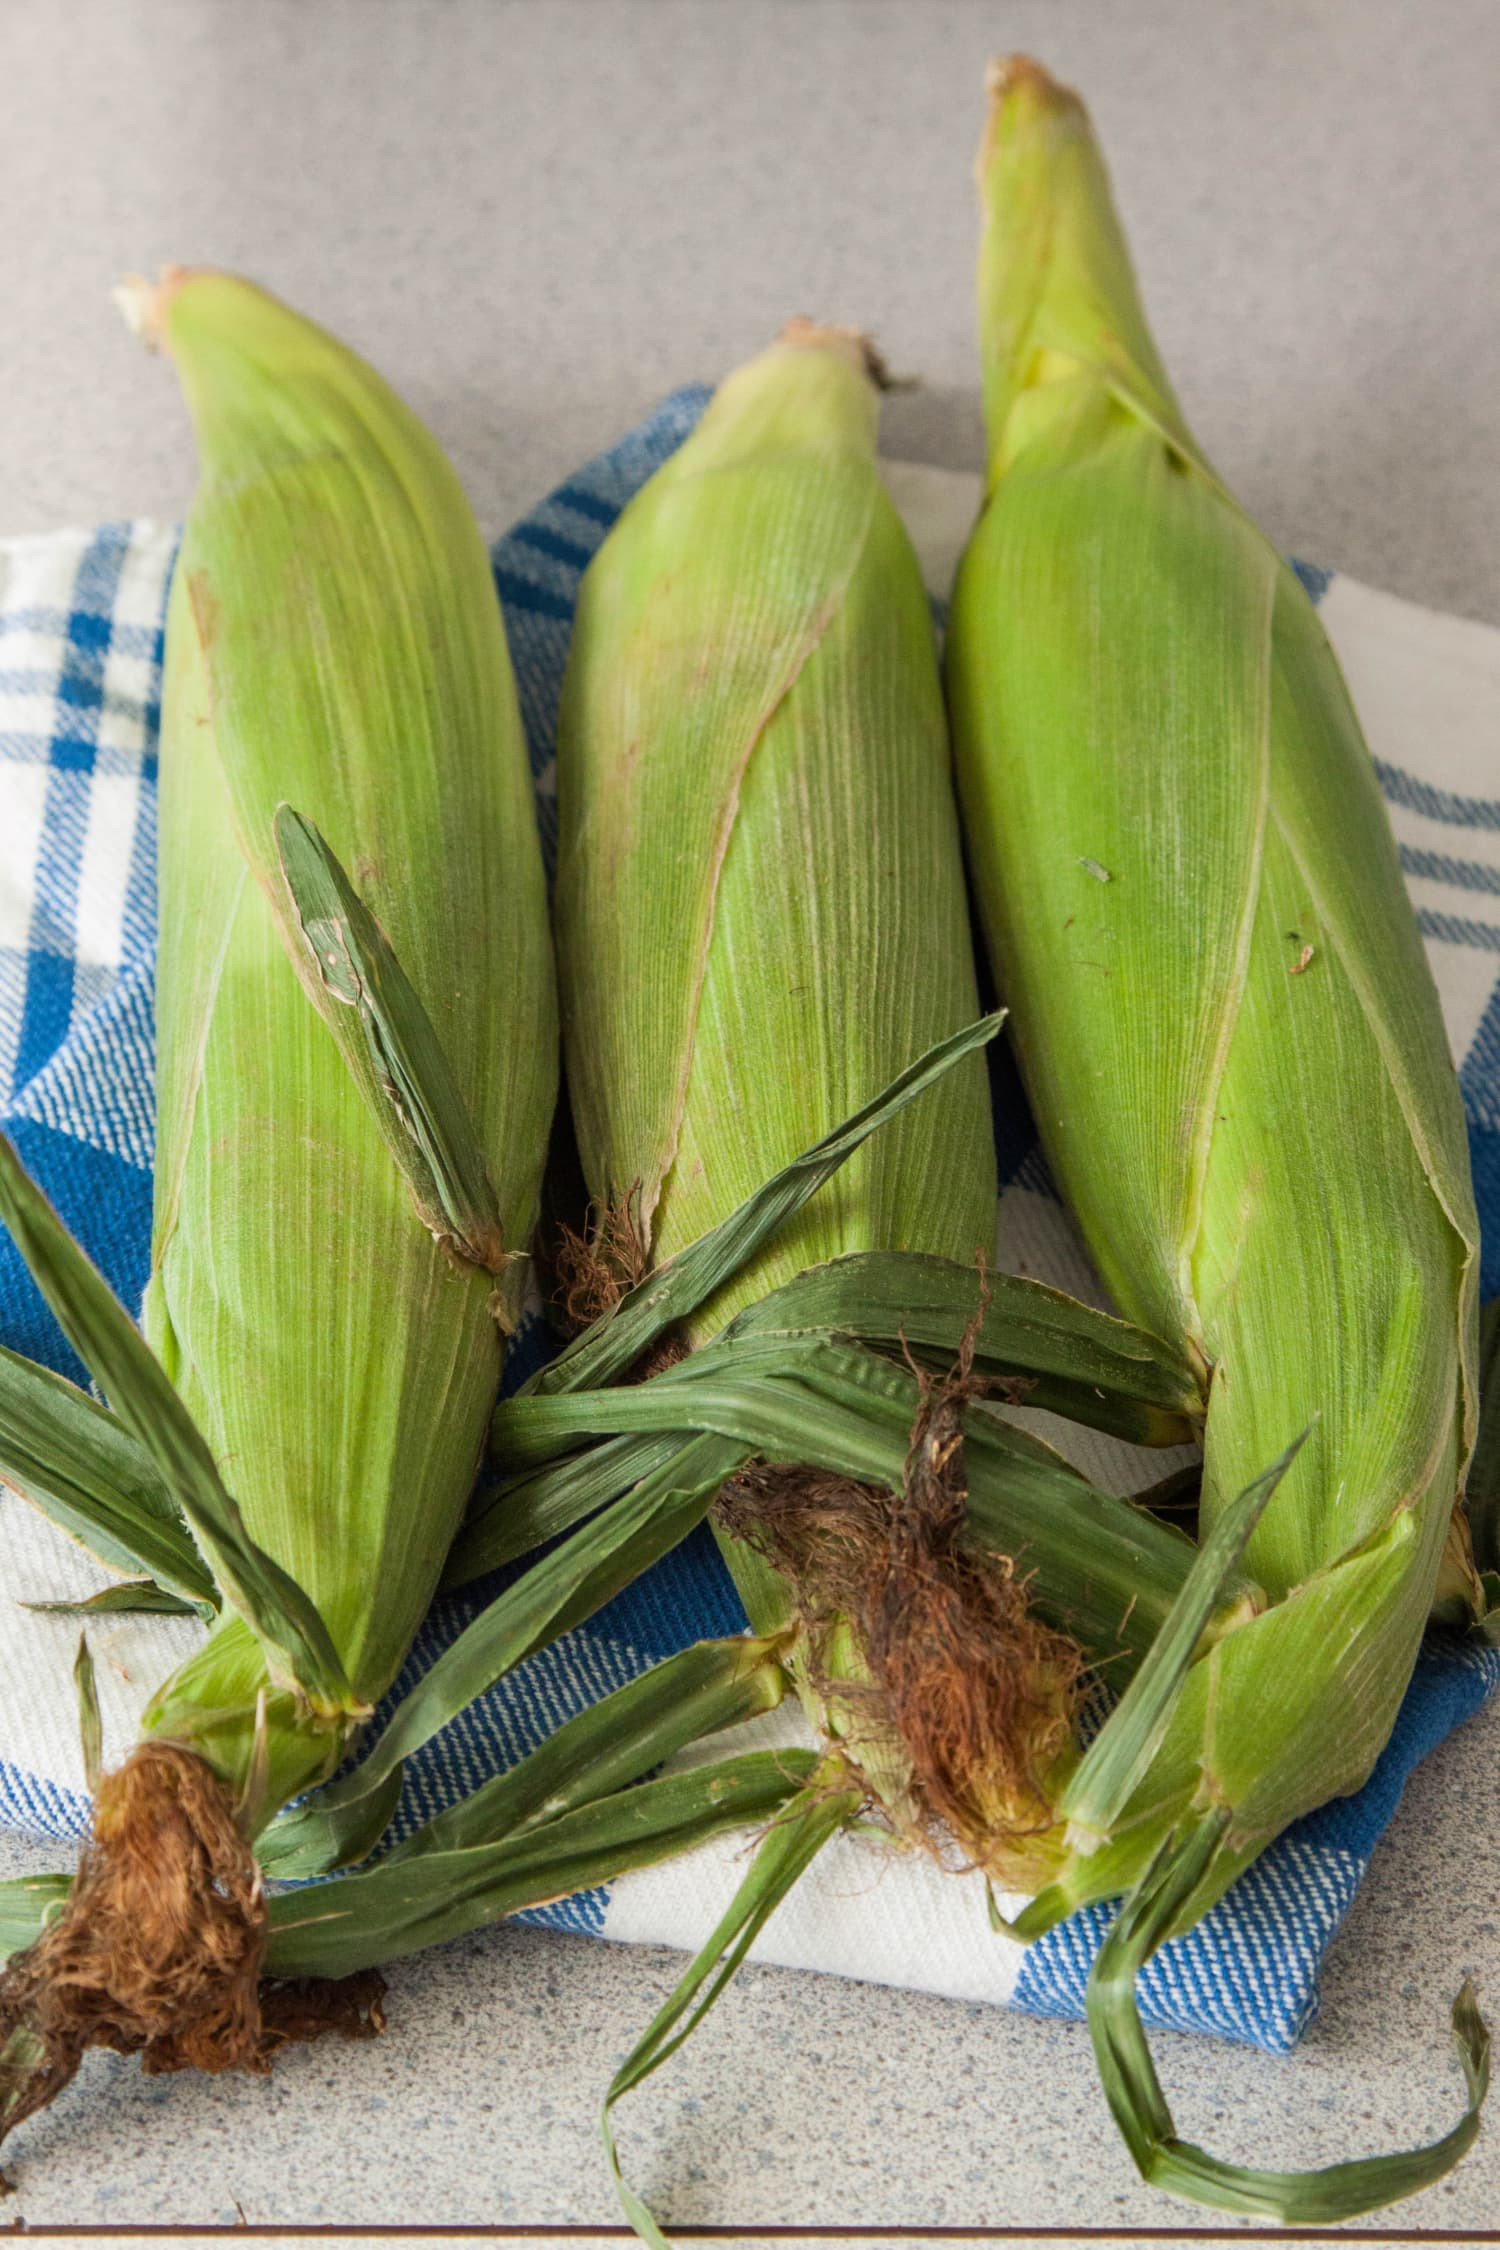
(1321, 2197)
(529, 1509)
(136, 1384)
(132, 1597)
(1117, 1760)
(558, 1592)
(678, 1288)
(1101, 1568)
(80, 1467)
(785, 1853)
(1076, 1361)
(402, 1906)
(390, 1044)
(27, 1904)
(602, 1749)
(617, 1741)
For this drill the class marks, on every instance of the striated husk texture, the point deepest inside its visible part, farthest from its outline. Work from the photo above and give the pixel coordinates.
(1228, 1029)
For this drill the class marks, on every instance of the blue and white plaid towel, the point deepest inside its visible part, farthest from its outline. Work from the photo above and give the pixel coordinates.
(80, 653)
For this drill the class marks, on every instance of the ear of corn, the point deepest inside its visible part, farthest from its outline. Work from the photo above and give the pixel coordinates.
(1231, 1041)
(760, 904)
(334, 642)
(1233, 1046)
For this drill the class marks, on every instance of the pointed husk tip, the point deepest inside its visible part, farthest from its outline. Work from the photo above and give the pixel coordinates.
(1012, 80)
(1023, 74)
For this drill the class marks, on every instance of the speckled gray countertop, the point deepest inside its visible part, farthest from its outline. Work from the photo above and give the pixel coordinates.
(536, 219)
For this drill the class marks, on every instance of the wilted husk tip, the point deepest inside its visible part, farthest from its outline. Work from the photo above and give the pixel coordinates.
(144, 304)
(1010, 74)
(1020, 76)
(802, 334)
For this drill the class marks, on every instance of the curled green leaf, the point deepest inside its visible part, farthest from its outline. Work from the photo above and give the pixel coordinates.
(831, 1802)
(1063, 1355)
(80, 1467)
(1314, 2198)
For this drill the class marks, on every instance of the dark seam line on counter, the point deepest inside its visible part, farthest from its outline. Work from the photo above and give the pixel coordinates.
(559, 2231)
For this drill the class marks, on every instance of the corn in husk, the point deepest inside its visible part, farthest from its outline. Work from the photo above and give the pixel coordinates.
(326, 1306)
(1229, 1034)
(334, 642)
(760, 907)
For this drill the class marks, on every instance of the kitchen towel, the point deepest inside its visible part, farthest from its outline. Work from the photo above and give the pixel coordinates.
(80, 667)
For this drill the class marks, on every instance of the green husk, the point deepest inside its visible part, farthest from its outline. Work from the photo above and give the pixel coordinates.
(749, 1236)
(1266, 1157)
(578, 1810)
(357, 1065)
(334, 643)
(758, 863)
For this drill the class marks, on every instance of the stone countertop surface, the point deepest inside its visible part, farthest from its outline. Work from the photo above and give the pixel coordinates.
(536, 218)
